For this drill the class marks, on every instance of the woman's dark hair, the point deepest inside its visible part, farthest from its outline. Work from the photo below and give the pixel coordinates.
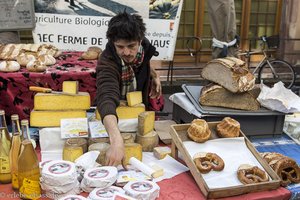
(126, 27)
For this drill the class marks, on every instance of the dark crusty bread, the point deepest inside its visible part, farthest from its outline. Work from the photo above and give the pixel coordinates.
(229, 72)
(215, 95)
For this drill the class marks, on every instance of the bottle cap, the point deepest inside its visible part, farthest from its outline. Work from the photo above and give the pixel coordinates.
(14, 117)
(24, 122)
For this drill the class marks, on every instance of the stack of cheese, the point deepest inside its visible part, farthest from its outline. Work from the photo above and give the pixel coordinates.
(146, 136)
(50, 108)
(131, 109)
(59, 178)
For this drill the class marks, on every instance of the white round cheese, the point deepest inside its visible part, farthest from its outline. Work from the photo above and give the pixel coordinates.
(100, 177)
(105, 193)
(59, 172)
(142, 189)
(73, 197)
(60, 189)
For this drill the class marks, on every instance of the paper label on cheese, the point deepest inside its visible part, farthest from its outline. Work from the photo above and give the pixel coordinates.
(59, 168)
(141, 186)
(99, 173)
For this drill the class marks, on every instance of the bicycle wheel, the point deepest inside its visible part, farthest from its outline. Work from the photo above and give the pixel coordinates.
(284, 72)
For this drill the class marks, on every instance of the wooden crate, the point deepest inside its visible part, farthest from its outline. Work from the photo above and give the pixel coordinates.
(179, 135)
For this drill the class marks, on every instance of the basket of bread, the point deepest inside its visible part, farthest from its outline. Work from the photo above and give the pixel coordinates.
(221, 159)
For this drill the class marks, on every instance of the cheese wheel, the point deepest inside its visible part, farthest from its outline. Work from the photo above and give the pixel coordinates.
(102, 148)
(142, 189)
(148, 141)
(59, 172)
(100, 177)
(132, 150)
(105, 193)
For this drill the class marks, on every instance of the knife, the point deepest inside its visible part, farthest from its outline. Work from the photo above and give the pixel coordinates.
(47, 90)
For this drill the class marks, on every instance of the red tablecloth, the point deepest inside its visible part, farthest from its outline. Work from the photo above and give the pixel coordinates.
(14, 87)
(180, 187)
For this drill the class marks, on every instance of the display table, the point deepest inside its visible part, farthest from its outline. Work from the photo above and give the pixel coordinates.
(14, 87)
(180, 187)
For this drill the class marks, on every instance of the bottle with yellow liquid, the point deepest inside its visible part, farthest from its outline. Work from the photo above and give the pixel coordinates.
(28, 172)
(14, 156)
(26, 132)
(15, 125)
(5, 143)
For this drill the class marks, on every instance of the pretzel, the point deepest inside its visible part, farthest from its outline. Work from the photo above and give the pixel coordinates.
(288, 170)
(248, 174)
(206, 162)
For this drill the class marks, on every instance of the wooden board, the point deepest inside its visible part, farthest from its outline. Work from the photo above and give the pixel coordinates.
(179, 135)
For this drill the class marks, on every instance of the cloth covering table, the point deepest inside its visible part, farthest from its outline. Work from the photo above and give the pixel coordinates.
(14, 87)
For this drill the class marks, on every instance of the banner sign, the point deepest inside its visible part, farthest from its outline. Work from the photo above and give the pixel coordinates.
(76, 25)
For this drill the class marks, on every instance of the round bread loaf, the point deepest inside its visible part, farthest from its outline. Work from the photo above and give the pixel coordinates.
(23, 59)
(92, 53)
(36, 66)
(228, 128)
(47, 59)
(199, 131)
(9, 66)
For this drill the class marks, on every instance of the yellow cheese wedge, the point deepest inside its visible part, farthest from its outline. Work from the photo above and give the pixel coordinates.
(134, 98)
(52, 118)
(146, 122)
(70, 87)
(132, 150)
(161, 152)
(148, 141)
(45, 101)
(126, 112)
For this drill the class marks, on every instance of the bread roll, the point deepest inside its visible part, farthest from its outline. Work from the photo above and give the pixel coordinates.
(23, 59)
(9, 66)
(48, 49)
(231, 73)
(47, 59)
(199, 131)
(215, 95)
(92, 53)
(36, 66)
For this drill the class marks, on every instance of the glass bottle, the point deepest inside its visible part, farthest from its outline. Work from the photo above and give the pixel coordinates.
(5, 143)
(28, 172)
(26, 132)
(13, 158)
(15, 125)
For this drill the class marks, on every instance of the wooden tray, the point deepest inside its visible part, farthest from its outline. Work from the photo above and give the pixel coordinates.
(179, 135)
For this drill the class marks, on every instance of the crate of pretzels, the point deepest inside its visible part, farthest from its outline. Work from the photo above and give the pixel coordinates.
(221, 159)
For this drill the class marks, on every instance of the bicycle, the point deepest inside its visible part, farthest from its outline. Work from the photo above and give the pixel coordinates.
(271, 70)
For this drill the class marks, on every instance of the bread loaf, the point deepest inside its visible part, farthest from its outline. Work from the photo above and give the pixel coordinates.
(36, 66)
(47, 59)
(92, 53)
(229, 72)
(9, 66)
(48, 49)
(215, 95)
(23, 59)
(10, 51)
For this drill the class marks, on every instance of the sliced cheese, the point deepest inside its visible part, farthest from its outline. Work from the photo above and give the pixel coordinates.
(70, 87)
(52, 118)
(126, 112)
(134, 98)
(132, 150)
(161, 152)
(146, 122)
(45, 101)
(148, 141)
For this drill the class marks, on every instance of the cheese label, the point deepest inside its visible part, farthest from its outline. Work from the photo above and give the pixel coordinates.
(14, 180)
(106, 192)
(4, 165)
(30, 189)
(98, 173)
(141, 186)
(59, 168)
